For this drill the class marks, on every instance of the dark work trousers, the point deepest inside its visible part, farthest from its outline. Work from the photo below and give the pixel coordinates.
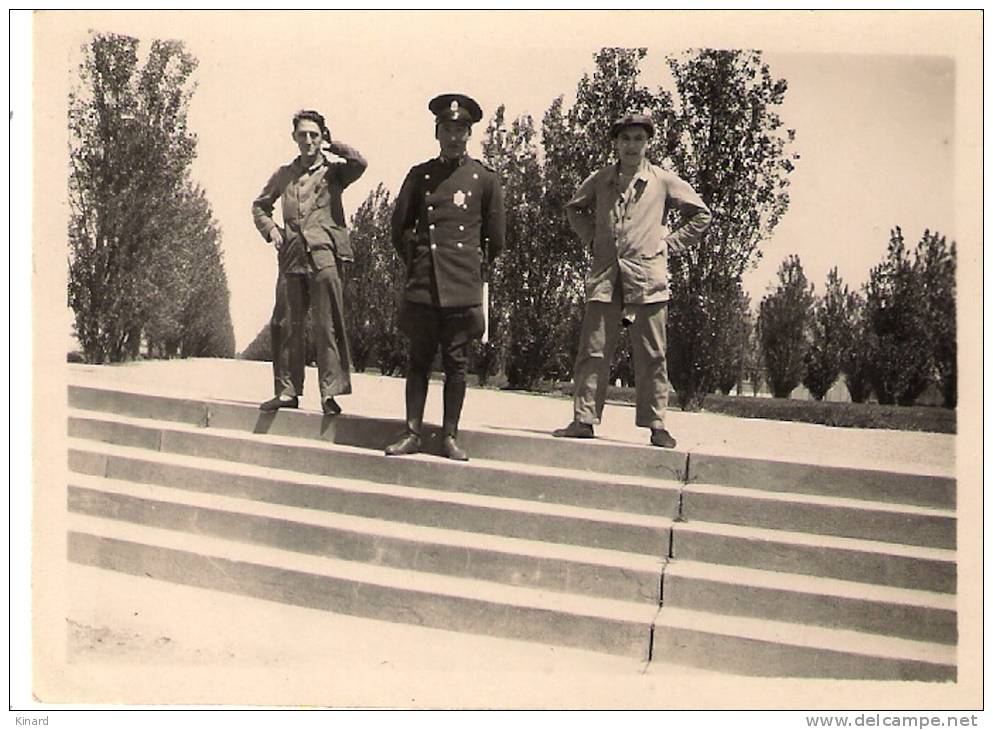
(283, 379)
(428, 328)
(320, 290)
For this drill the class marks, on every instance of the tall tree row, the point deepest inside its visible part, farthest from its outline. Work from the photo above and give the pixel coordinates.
(727, 139)
(894, 338)
(144, 250)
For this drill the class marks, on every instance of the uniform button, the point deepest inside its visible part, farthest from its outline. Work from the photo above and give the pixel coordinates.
(459, 244)
(430, 208)
(475, 176)
(461, 228)
(427, 177)
(434, 246)
(469, 193)
(431, 226)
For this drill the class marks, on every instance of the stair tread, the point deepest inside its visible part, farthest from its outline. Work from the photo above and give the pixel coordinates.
(452, 586)
(853, 642)
(814, 540)
(462, 498)
(809, 584)
(358, 485)
(817, 499)
(473, 464)
(372, 526)
(806, 635)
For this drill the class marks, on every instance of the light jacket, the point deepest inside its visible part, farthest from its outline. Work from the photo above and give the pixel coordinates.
(627, 230)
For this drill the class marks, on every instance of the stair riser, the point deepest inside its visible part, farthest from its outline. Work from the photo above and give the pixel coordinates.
(376, 433)
(362, 599)
(766, 659)
(891, 619)
(904, 529)
(373, 433)
(469, 518)
(537, 449)
(442, 475)
(829, 562)
(138, 405)
(830, 481)
(518, 570)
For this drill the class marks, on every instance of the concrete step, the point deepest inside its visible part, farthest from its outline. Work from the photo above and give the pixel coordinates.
(742, 645)
(774, 649)
(547, 566)
(358, 589)
(537, 449)
(486, 514)
(795, 552)
(888, 522)
(479, 476)
(540, 449)
(864, 561)
(911, 614)
(858, 518)
(782, 476)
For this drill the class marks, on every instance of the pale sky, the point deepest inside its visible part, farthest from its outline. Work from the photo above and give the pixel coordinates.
(876, 133)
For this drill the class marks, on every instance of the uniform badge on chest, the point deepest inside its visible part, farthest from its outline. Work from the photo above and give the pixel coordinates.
(459, 198)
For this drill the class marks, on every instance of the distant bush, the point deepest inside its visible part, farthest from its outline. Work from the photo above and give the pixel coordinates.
(842, 415)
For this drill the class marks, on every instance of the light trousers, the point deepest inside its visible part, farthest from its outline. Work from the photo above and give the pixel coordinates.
(601, 328)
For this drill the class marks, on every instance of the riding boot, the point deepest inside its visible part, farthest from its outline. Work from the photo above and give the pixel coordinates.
(454, 397)
(416, 395)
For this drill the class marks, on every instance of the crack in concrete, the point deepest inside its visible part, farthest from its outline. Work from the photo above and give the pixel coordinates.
(680, 517)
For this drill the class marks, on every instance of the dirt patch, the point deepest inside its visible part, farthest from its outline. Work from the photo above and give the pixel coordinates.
(106, 643)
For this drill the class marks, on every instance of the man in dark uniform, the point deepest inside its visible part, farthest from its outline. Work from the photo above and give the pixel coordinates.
(448, 222)
(312, 246)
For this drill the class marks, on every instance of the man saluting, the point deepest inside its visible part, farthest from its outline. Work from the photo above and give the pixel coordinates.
(313, 244)
(448, 221)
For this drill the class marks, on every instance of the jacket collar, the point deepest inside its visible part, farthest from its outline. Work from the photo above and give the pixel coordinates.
(301, 167)
(641, 173)
(453, 163)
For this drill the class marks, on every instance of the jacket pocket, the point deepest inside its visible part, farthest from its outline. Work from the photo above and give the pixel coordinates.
(341, 241)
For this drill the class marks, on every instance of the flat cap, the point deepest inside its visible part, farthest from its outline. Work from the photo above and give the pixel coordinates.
(455, 108)
(632, 120)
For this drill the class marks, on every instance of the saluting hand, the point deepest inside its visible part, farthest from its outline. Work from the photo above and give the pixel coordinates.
(276, 237)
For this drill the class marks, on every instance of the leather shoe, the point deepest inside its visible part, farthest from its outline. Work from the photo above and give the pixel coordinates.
(575, 430)
(452, 449)
(330, 407)
(410, 443)
(274, 404)
(661, 437)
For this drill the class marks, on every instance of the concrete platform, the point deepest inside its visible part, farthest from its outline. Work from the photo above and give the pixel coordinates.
(375, 396)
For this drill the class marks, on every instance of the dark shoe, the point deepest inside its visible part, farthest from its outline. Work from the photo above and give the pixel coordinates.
(410, 443)
(452, 449)
(274, 404)
(330, 407)
(574, 430)
(661, 437)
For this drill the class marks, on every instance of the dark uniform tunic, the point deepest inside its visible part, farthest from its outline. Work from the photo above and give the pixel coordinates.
(448, 217)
